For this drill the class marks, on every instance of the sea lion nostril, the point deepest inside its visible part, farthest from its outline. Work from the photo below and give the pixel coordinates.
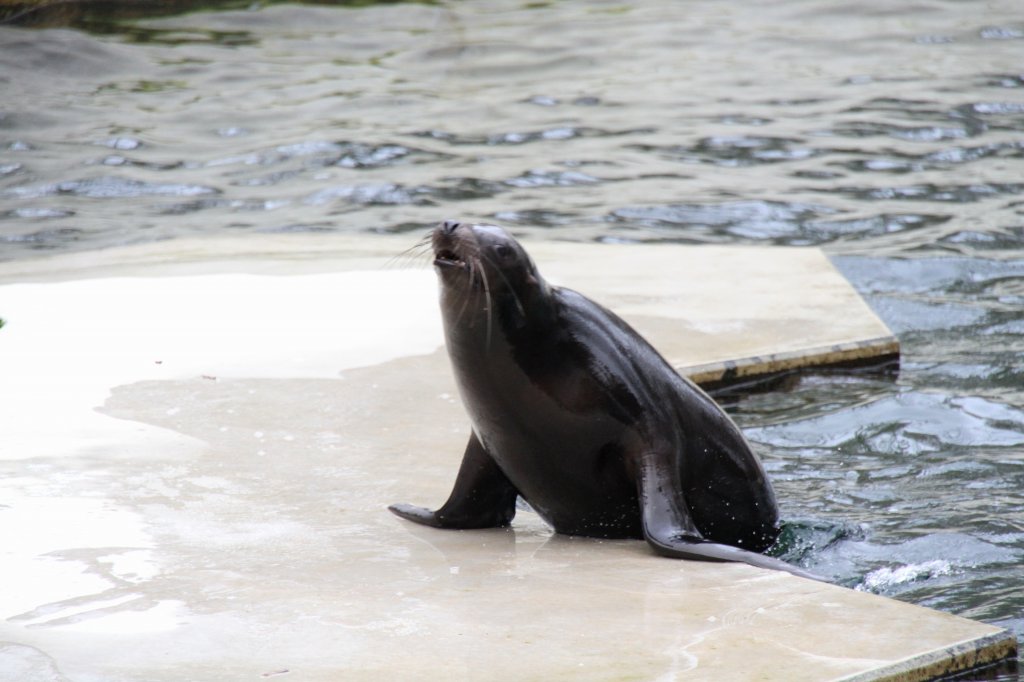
(449, 226)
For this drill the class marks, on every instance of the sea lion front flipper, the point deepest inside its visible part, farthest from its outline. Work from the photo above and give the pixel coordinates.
(482, 496)
(669, 528)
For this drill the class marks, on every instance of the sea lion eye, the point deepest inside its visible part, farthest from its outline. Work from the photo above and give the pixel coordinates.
(503, 251)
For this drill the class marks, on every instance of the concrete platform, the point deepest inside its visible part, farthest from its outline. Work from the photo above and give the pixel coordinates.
(199, 445)
(720, 314)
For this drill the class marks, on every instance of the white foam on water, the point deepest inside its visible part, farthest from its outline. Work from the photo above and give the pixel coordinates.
(886, 577)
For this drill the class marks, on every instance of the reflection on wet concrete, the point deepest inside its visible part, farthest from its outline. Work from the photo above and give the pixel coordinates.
(199, 461)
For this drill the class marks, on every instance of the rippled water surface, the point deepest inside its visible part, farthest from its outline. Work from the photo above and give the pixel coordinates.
(890, 134)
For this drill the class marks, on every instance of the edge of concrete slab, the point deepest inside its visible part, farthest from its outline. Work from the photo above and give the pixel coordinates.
(977, 654)
(881, 351)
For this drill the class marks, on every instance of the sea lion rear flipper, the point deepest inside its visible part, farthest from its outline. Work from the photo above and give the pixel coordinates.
(482, 496)
(669, 528)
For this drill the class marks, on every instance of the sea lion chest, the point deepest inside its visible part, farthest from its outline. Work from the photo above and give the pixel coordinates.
(558, 420)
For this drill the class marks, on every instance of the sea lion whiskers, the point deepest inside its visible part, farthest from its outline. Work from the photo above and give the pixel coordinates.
(511, 289)
(477, 281)
(410, 256)
(487, 300)
(468, 292)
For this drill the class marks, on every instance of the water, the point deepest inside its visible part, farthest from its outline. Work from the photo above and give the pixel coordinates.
(891, 136)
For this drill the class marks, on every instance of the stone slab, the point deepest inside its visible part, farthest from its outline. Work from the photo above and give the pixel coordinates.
(719, 314)
(199, 445)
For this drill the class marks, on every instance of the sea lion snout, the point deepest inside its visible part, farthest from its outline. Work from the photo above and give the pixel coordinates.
(450, 241)
(484, 258)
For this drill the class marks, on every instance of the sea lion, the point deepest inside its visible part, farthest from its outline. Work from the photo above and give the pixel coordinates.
(575, 412)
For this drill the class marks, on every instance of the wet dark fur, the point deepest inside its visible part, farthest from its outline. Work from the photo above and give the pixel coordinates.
(577, 413)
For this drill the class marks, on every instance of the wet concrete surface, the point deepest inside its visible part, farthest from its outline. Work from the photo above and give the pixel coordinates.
(200, 445)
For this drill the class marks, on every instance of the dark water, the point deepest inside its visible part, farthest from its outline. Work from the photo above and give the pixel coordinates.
(890, 134)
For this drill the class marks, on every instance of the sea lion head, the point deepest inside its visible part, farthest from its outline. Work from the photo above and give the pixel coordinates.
(473, 259)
